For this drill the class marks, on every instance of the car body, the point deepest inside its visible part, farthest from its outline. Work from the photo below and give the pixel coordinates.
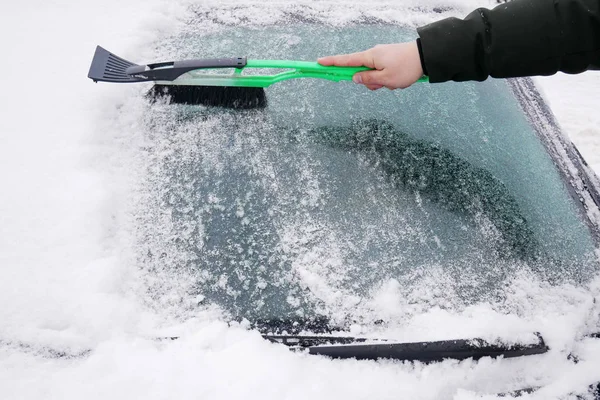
(300, 217)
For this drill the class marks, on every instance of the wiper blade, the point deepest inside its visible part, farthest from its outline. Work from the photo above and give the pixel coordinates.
(461, 349)
(430, 351)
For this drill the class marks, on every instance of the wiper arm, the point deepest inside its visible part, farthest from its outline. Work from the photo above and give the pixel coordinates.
(461, 349)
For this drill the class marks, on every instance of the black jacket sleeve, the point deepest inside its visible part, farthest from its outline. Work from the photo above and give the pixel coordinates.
(519, 38)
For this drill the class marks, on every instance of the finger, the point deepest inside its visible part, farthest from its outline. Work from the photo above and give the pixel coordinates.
(349, 60)
(373, 87)
(371, 78)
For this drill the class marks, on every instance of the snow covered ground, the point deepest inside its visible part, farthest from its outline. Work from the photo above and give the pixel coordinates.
(69, 283)
(571, 98)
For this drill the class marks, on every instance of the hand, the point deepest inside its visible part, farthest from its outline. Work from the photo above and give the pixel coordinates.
(397, 66)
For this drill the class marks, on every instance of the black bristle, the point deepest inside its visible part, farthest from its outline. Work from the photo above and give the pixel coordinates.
(215, 96)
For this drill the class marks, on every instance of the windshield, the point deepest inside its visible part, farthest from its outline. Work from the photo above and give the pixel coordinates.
(333, 196)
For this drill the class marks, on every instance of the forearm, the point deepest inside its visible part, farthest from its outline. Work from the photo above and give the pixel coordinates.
(519, 38)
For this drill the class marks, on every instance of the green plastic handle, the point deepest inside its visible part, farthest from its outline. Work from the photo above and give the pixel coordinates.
(298, 69)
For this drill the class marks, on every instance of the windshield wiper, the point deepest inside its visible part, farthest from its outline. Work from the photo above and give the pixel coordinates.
(358, 348)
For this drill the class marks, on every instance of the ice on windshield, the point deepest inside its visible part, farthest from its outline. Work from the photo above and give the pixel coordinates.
(332, 194)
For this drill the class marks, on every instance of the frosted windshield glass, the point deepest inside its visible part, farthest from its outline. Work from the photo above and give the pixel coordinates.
(312, 204)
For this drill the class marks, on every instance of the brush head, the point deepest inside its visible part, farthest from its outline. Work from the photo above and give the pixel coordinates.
(214, 96)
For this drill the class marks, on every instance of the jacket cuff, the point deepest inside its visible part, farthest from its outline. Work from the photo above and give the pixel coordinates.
(450, 48)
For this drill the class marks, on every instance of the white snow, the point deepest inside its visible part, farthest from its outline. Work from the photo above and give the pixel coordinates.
(571, 98)
(68, 281)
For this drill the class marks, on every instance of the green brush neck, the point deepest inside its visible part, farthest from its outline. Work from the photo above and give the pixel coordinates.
(310, 69)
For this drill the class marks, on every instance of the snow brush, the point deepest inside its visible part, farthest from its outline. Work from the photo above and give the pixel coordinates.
(187, 81)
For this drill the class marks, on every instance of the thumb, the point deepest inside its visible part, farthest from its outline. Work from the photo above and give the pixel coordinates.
(375, 77)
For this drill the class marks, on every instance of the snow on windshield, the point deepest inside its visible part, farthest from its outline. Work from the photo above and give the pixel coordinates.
(71, 276)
